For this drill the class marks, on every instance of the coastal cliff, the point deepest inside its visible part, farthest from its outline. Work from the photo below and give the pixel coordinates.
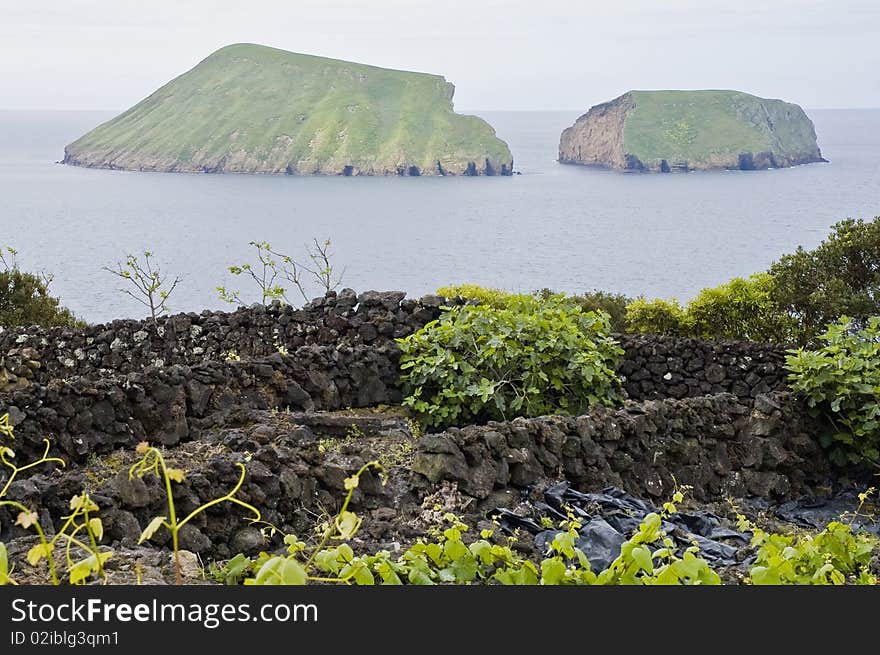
(666, 131)
(253, 109)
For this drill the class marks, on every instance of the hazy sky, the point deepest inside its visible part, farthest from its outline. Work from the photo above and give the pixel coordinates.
(500, 54)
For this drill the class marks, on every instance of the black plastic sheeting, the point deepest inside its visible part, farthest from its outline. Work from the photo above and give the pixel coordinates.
(816, 514)
(611, 517)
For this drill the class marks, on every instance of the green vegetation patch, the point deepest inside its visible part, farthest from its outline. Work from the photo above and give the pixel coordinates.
(841, 380)
(793, 302)
(525, 357)
(743, 309)
(702, 127)
(25, 299)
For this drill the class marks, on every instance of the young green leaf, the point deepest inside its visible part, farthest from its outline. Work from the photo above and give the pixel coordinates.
(96, 528)
(347, 524)
(552, 571)
(26, 519)
(292, 573)
(151, 529)
(38, 552)
(177, 475)
(80, 571)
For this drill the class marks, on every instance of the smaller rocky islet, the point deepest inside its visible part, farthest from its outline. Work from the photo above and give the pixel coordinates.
(669, 131)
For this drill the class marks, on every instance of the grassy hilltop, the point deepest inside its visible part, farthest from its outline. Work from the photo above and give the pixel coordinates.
(254, 109)
(687, 130)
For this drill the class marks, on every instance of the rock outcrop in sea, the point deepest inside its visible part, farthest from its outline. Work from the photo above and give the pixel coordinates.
(667, 131)
(253, 109)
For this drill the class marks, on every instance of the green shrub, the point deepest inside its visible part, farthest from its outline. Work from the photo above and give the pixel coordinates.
(665, 317)
(742, 309)
(842, 380)
(25, 301)
(528, 358)
(613, 304)
(482, 295)
(840, 277)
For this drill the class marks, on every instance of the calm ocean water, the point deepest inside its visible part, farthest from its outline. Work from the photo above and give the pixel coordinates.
(568, 228)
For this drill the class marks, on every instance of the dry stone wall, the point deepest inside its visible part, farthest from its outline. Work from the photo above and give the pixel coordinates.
(668, 367)
(719, 445)
(93, 389)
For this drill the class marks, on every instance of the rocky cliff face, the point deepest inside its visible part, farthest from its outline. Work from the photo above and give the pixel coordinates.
(596, 139)
(252, 109)
(666, 131)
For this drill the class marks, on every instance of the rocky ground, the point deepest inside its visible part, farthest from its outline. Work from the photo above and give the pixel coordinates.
(296, 466)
